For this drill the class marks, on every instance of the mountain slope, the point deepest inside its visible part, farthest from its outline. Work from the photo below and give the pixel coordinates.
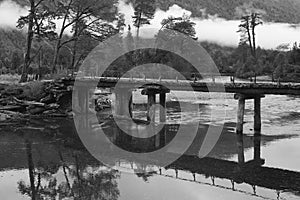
(287, 11)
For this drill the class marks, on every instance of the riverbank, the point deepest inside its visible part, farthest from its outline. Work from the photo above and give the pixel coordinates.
(39, 98)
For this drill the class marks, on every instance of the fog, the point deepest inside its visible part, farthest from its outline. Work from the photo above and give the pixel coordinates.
(217, 30)
(10, 12)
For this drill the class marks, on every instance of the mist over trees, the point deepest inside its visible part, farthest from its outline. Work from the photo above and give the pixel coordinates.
(57, 48)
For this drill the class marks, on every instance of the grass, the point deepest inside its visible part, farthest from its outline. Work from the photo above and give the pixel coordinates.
(9, 78)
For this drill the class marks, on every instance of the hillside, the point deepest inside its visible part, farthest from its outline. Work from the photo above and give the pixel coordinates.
(287, 11)
(12, 39)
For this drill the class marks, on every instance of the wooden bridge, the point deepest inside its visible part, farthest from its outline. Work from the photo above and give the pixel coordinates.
(152, 87)
(197, 86)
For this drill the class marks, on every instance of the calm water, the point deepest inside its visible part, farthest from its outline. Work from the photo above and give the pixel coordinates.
(45, 157)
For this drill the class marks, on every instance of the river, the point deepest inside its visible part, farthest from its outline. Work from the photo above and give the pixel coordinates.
(45, 157)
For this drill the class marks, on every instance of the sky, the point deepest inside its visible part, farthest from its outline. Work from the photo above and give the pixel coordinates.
(217, 30)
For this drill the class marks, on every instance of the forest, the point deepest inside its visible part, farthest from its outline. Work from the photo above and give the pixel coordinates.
(40, 46)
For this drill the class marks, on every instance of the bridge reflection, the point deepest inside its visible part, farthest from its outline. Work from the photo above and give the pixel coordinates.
(252, 172)
(45, 156)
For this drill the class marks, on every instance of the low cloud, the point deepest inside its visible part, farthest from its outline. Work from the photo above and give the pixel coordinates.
(214, 29)
(218, 30)
(10, 12)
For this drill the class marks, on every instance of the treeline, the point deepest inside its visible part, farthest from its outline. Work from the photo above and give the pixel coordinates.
(48, 47)
(284, 64)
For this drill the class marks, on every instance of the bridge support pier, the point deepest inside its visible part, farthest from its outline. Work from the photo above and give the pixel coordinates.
(257, 125)
(240, 149)
(81, 100)
(162, 111)
(151, 91)
(257, 115)
(241, 111)
(123, 103)
(240, 115)
(150, 105)
(257, 145)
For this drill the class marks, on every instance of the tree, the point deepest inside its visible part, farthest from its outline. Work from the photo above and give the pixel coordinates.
(170, 36)
(280, 65)
(181, 24)
(247, 29)
(295, 54)
(16, 60)
(144, 11)
(82, 15)
(171, 30)
(39, 24)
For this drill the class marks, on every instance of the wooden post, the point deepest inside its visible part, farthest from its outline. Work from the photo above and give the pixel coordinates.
(162, 111)
(240, 115)
(151, 102)
(257, 115)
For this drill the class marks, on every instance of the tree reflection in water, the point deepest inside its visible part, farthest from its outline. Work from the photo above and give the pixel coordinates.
(81, 181)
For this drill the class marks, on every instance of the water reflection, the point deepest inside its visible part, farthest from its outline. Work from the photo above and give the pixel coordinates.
(81, 180)
(59, 166)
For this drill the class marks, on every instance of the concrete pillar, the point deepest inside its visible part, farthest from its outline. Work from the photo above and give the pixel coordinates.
(151, 102)
(239, 129)
(257, 115)
(162, 112)
(118, 103)
(123, 102)
(83, 100)
(240, 115)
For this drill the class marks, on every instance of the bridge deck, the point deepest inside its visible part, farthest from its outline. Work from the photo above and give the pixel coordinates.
(267, 177)
(198, 86)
